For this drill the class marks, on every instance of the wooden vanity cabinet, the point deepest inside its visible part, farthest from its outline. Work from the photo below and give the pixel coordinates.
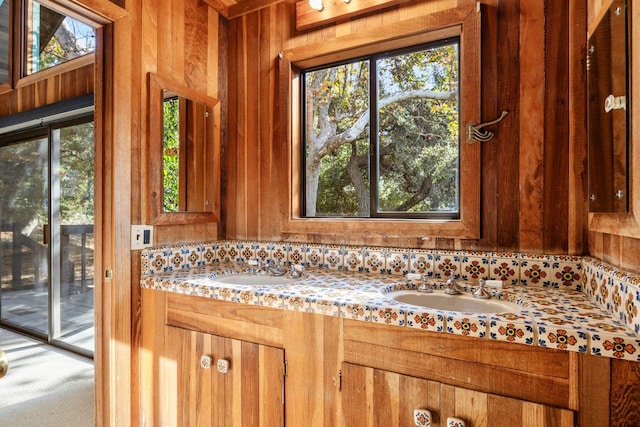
(353, 373)
(215, 381)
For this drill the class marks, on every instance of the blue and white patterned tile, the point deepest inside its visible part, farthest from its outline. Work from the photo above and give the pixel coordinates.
(474, 266)
(388, 314)
(426, 320)
(355, 311)
(314, 256)
(353, 258)
(505, 267)
(227, 294)
(622, 346)
(246, 252)
(263, 250)
(294, 303)
(223, 252)
(521, 331)
(325, 307)
(208, 254)
(333, 257)
(374, 261)
(396, 262)
(421, 262)
(250, 297)
(571, 338)
(279, 252)
(271, 299)
(466, 324)
(536, 270)
(568, 272)
(446, 264)
(296, 254)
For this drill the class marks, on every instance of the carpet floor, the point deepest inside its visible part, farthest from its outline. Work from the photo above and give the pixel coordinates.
(44, 385)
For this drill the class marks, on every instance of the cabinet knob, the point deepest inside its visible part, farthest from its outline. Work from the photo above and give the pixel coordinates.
(206, 361)
(422, 417)
(223, 366)
(455, 422)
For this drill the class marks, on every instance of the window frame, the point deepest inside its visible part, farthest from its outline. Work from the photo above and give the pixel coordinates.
(462, 22)
(20, 57)
(374, 137)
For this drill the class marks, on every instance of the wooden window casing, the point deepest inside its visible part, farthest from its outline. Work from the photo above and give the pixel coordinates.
(460, 22)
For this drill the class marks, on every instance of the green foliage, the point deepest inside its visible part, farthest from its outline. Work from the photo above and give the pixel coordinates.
(170, 157)
(418, 151)
(77, 174)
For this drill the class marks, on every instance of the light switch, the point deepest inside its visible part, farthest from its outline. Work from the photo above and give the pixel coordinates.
(141, 236)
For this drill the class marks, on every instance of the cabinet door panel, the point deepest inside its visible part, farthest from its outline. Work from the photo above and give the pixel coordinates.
(373, 397)
(250, 393)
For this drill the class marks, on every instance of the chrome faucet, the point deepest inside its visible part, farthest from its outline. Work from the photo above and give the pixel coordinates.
(481, 292)
(425, 287)
(452, 287)
(275, 268)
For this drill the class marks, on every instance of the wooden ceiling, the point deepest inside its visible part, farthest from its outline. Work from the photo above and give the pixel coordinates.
(234, 8)
(306, 17)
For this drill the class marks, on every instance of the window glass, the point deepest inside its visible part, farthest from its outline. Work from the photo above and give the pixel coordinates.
(4, 41)
(53, 38)
(382, 135)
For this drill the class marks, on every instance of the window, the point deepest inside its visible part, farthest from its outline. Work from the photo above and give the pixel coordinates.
(378, 132)
(382, 135)
(53, 38)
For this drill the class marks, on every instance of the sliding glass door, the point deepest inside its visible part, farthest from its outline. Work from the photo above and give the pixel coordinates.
(24, 218)
(46, 240)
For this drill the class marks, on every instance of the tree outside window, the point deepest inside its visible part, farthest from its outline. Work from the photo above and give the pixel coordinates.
(382, 135)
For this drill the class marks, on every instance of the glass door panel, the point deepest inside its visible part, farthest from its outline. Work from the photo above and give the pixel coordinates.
(24, 255)
(73, 244)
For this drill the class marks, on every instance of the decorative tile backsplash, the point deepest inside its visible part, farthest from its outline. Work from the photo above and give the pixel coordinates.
(551, 271)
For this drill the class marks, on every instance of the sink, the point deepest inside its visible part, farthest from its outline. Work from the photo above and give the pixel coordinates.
(254, 280)
(461, 303)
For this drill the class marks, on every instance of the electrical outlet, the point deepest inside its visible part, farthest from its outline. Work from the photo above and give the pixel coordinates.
(141, 236)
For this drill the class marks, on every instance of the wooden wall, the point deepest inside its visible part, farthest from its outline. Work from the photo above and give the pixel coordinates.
(54, 88)
(526, 199)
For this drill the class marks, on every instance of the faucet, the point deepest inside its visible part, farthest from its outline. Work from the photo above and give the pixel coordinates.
(452, 287)
(275, 268)
(481, 292)
(425, 286)
(296, 271)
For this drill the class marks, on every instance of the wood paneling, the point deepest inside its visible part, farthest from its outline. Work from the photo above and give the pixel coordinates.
(44, 91)
(525, 178)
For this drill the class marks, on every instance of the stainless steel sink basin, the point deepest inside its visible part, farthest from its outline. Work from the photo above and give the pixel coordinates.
(461, 303)
(254, 280)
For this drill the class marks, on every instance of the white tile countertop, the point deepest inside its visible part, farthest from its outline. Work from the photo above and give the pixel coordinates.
(554, 318)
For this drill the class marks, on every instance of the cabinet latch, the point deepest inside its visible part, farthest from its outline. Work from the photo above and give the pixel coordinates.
(286, 368)
(338, 381)
(108, 274)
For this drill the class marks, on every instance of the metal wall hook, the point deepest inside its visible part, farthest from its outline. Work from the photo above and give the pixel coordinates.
(474, 134)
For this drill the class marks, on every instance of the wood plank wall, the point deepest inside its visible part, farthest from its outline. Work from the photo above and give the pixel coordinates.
(49, 90)
(525, 183)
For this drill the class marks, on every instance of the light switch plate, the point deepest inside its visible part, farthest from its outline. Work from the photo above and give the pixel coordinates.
(141, 236)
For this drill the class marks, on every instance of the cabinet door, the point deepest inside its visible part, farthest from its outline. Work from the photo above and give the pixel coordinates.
(249, 393)
(373, 397)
